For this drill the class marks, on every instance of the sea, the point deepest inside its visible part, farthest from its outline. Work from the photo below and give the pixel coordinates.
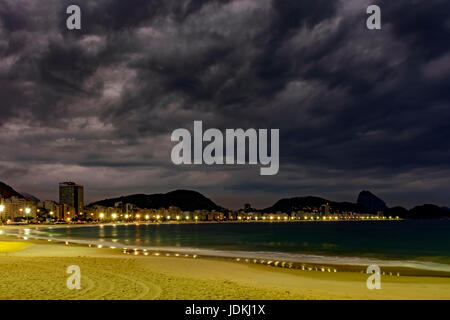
(422, 244)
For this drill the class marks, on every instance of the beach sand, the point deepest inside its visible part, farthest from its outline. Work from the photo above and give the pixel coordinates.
(37, 270)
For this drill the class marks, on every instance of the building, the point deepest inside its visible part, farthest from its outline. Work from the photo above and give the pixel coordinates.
(16, 209)
(52, 208)
(66, 212)
(324, 209)
(72, 195)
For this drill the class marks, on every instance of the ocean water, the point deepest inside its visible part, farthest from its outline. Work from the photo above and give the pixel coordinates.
(406, 242)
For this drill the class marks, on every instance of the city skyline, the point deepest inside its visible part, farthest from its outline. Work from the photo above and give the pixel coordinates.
(71, 194)
(356, 108)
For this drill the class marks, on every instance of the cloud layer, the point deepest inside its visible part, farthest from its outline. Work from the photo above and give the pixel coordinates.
(357, 109)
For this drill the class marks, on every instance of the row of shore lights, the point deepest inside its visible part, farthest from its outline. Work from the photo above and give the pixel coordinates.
(269, 262)
(318, 218)
(285, 264)
(114, 216)
(282, 264)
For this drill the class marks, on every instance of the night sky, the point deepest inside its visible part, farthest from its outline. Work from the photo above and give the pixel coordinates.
(356, 108)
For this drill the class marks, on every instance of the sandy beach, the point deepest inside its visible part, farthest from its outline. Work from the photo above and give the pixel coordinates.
(37, 270)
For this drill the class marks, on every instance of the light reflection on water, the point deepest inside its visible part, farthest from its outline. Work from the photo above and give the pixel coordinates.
(426, 240)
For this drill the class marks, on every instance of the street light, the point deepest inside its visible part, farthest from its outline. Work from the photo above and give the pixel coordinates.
(2, 209)
(27, 212)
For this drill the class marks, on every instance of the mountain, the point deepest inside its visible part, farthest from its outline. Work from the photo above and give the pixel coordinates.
(295, 204)
(428, 211)
(8, 192)
(186, 200)
(298, 203)
(29, 197)
(371, 201)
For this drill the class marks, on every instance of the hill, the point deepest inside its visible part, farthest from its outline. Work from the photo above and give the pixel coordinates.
(186, 200)
(428, 211)
(30, 197)
(298, 203)
(8, 192)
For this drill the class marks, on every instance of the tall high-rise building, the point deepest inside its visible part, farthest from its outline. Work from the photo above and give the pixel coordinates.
(71, 194)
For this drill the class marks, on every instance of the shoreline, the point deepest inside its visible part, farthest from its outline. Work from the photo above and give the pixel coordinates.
(304, 262)
(174, 222)
(36, 269)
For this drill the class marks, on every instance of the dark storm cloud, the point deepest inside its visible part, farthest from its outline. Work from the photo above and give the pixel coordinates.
(356, 108)
(425, 26)
(12, 19)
